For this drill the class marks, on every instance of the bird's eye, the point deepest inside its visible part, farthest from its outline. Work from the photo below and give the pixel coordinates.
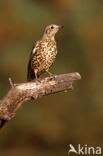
(52, 27)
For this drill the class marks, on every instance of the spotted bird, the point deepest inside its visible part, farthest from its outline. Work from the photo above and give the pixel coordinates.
(43, 53)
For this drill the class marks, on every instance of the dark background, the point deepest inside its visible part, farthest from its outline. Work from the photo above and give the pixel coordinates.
(47, 126)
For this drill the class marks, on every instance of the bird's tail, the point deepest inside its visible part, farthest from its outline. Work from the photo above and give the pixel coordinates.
(30, 75)
(30, 72)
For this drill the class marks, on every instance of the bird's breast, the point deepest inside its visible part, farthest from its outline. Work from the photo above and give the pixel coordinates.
(44, 55)
(49, 52)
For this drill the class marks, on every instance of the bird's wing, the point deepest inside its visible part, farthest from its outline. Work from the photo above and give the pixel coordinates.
(30, 72)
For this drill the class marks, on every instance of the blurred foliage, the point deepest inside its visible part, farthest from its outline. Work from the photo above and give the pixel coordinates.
(47, 126)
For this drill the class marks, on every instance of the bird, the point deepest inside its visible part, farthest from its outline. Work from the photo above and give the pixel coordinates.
(43, 53)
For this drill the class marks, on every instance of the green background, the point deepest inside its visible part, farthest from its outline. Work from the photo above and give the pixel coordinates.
(47, 126)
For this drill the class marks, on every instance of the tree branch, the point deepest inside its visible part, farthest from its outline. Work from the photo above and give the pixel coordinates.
(23, 92)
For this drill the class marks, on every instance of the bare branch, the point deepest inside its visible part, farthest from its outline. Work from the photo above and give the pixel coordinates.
(23, 92)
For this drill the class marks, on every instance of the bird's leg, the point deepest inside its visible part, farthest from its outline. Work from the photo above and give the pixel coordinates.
(36, 77)
(35, 71)
(50, 74)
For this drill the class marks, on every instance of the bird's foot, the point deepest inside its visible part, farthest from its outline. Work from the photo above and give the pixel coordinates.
(37, 80)
(52, 76)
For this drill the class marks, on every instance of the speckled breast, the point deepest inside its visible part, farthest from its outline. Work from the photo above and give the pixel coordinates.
(44, 55)
(49, 54)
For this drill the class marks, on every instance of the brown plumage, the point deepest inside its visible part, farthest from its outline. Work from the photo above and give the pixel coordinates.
(43, 53)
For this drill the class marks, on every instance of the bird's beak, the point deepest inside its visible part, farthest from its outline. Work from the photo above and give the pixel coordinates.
(61, 26)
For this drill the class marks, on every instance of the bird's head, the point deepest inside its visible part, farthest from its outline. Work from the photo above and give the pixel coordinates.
(51, 30)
